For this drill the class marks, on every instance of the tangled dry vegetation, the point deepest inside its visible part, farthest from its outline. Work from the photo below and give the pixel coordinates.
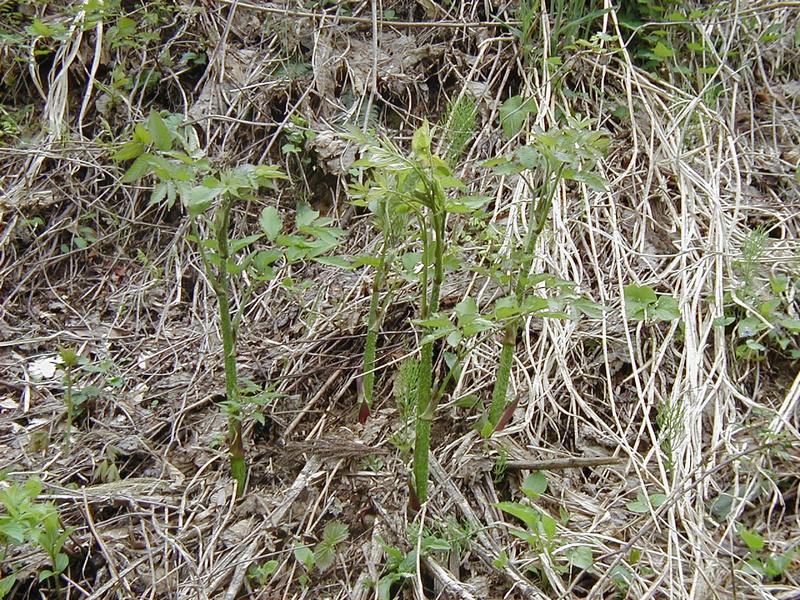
(669, 447)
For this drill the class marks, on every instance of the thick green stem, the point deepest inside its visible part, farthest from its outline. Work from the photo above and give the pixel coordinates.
(223, 291)
(373, 326)
(536, 223)
(425, 409)
(500, 390)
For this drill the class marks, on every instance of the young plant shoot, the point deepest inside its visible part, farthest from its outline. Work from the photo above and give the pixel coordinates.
(170, 152)
(553, 156)
(416, 184)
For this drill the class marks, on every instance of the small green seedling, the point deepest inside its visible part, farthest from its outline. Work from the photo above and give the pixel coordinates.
(643, 304)
(25, 520)
(760, 320)
(769, 566)
(324, 553)
(305, 556)
(401, 566)
(69, 360)
(541, 529)
(334, 534)
(75, 397)
(262, 574)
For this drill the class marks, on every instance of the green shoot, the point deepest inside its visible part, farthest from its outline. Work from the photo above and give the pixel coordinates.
(416, 184)
(69, 360)
(566, 153)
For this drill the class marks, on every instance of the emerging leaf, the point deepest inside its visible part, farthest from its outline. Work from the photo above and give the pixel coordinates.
(271, 222)
(514, 113)
(159, 132)
(534, 485)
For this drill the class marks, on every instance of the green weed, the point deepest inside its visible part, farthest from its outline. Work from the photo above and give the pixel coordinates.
(562, 154)
(168, 150)
(767, 565)
(541, 530)
(25, 520)
(416, 184)
(757, 310)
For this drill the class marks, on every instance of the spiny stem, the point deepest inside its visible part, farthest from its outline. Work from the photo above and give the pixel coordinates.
(425, 412)
(222, 290)
(373, 325)
(536, 223)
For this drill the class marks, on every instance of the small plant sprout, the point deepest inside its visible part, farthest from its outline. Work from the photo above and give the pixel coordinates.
(541, 531)
(391, 219)
(766, 565)
(75, 397)
(643, 304)
(552, 156)
(758, 310)
(262, 574)
(25, 520)
(334, 534)
(69, 361)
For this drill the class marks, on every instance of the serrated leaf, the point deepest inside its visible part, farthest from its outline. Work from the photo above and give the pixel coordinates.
(159, 192)
(431, 543)
(467, 307)
(335, 532)
(263, 172)
(129, 151)
(140, 167)
(305, 215)
(528, 157)
(642, 503)
(778, 284)
(270, 222)
(197, 199)
(454, 338)
(662, 51)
